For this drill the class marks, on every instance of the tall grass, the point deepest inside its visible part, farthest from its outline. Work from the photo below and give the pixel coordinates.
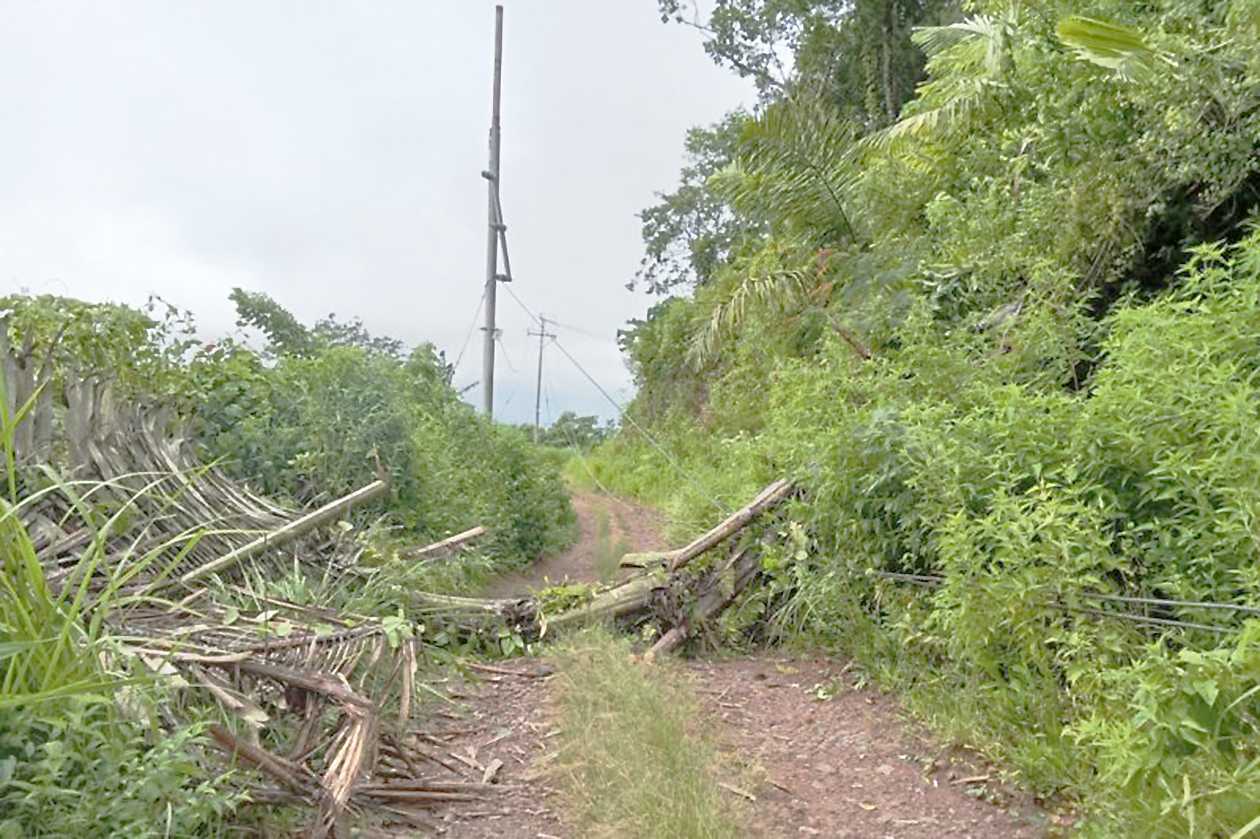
(75, 759)
(44, 654)
(635, 765)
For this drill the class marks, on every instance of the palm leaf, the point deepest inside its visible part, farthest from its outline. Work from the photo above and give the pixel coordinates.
(972, 58)
(1119, 48)
(796, 168)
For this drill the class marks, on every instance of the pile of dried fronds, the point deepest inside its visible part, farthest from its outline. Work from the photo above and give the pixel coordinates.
(157, 551)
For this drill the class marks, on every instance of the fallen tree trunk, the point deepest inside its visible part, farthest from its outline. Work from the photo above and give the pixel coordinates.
(744, 567)
(737, 521)
(298, 527)
(632, 596)
(661, 573)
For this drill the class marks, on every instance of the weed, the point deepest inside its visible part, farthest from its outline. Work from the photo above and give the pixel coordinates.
(633, 765)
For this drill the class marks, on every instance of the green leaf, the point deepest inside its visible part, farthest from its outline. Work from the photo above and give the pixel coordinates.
(1207, 688)
(1110, 45)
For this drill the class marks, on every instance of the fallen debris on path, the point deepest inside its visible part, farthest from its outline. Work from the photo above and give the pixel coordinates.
(317, 702)
(665, 588)
(448, 546)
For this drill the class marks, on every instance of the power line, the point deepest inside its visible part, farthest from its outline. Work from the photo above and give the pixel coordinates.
(621, 411)
(933, 580)
(646, 435)
(506, 360)
(521, 303)
(581, 455)
(471, 329)
(577, 329)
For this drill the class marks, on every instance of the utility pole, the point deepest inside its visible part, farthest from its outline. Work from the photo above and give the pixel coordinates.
(495, 222)
(543, 335)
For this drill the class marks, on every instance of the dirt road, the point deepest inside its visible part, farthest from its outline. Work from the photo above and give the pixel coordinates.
(829, 756)
(607, 528)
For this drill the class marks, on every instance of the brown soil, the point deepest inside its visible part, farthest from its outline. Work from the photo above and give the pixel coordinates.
(501, 718)
(829, 759)
(632, 526)
(809, 754)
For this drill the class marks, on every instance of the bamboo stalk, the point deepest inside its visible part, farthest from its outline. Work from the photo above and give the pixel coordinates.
(446, 544)
(289, 532)
(737, 521)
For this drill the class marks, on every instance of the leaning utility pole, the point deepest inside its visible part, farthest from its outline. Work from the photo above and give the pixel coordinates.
(542, 334)
(495, 222)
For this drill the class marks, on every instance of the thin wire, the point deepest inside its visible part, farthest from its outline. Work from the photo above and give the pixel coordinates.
(577, 329)
(521, 303)
(472, 327)
(581, 455)
(1183, 604)
(932, 580)
(621, 411)
(626, 416)
(499, 340)
(1147, 619)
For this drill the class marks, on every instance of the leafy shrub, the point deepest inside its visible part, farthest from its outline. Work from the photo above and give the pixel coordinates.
(76, 769)
(997, 343)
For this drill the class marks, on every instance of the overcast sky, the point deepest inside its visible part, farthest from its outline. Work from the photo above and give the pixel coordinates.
(330, 154)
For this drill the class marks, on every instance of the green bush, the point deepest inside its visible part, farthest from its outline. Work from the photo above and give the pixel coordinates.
(76, 769)
(995, 342)
(312, 415)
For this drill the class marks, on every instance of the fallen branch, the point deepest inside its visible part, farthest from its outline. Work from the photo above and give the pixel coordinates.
(507, 671)
(322, 683)
(298, 527)
(278, 768)
(737, 521)
(448, 544)
(737, 791)
(744, 567)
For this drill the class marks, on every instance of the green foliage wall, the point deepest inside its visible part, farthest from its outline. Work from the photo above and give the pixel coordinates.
(311, 416)
(1008, 341)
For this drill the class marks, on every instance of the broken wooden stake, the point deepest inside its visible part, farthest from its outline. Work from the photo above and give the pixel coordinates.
(744, 567)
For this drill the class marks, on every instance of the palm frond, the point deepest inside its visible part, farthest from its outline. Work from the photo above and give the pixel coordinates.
(796, 168)
(777, 289)
(969, 98)
(1110, 45)
(977, 52)
(986, 40)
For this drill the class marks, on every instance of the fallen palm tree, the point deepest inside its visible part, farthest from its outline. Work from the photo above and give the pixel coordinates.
(134, 535)
(664, 588)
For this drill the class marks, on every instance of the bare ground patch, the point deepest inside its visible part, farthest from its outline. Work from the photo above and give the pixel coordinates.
(837, 761)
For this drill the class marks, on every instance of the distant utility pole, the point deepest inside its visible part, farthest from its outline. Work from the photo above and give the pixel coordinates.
(543, 335)
(495, 222)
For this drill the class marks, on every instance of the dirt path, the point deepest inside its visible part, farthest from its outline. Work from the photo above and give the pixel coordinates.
(819, 755)
(836, 760)
(607, 528)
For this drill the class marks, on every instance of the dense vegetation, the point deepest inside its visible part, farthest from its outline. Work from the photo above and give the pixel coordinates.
(89, 743)
(1004, 333)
